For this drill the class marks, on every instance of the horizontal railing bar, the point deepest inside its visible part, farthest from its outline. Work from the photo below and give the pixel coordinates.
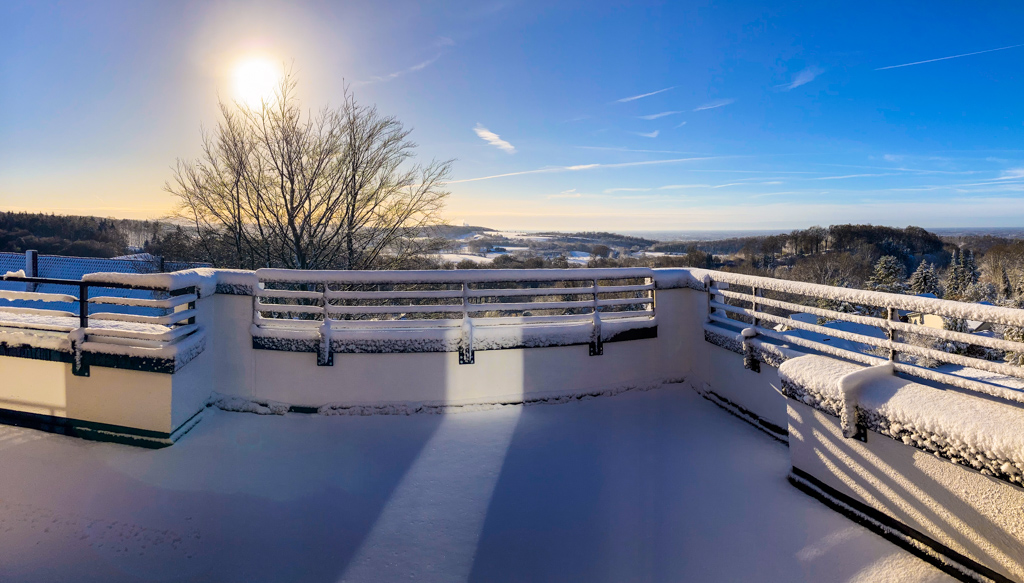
(412, 324)
(613, 289)
(384, 295)
(951, 335)
(487, 307)
(289, 308)
(624, 301)
(77, 283)
(419, 308)
(288, 294)
(38, 312)
(627, 314)
(165, 336)
(451, 276)
(38, 325)
(36, 297)
(168, 303)
(162, 320)
(956, 381)
(539, 292)
(976, 363)
(948, 308)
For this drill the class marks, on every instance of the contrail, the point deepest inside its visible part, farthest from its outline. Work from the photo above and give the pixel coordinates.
(947, 58)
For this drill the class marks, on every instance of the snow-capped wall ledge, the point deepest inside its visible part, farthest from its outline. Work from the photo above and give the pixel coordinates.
(977, 432)
(677, 278)
(413, 340)
(764, 350)
(204, 280)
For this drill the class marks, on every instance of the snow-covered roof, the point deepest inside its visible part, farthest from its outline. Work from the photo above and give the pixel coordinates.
(645, 486)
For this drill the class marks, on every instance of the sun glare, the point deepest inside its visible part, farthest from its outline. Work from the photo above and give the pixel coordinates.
(256, 80)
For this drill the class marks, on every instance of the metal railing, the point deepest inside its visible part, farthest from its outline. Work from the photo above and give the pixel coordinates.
(333, 302)
(905, 344)
(125, 330)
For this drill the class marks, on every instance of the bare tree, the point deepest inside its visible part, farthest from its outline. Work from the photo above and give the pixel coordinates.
(334, 190)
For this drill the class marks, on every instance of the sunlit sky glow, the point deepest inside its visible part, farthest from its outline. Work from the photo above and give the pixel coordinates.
(575, 115)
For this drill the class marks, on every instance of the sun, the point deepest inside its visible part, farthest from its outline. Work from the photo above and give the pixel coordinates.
(255, 80)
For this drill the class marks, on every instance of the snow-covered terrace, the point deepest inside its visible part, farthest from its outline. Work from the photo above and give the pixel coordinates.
(630, 476)
(644, 486)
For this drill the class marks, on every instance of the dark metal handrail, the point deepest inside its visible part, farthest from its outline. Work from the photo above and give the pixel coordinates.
(83, 290)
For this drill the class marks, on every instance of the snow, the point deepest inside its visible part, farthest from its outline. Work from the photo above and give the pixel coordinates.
(947, 308)
(982, 433)
(204, 279)
(458, 257)
(646, 486)
(848, 327)
(38, 297)
(449, 276)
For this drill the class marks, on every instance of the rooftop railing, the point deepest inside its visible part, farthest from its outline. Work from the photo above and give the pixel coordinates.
(764, 307)
(118, 336)
(463, 310)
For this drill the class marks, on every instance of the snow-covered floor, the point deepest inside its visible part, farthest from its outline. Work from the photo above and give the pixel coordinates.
(645, 486)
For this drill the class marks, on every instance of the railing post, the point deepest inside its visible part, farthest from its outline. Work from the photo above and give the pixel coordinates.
(890, 332)
(78, 365)
(466, 355)
(596, 343)
(756, 292)
(324, 355)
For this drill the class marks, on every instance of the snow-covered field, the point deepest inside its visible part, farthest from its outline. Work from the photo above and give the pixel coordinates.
(644, 486)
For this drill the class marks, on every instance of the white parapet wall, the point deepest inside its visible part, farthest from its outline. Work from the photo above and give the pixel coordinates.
(406, 379)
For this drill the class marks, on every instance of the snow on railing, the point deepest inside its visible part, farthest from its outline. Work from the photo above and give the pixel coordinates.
(463, 310)
(169, 329)
(878, 332)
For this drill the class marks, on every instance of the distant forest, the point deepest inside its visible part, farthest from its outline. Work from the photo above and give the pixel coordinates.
(969, 267)
(77, 236)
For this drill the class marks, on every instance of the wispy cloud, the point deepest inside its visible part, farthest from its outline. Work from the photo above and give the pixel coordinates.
(632, 150)
(854, 176)
(580, 167)
(803, 78)
(948, 58)
(494, 139)
(680, 125)
(682, 186)
(746, 184)
(611, 190)
(715, 104)
(653, 134)
(641, 96)
(1012, 174)
(662, 114)
(391, 76)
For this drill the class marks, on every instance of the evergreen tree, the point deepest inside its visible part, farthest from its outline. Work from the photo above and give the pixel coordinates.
(1007, 290)
(888, 276)
(924, 280)
(956, 280)
(971, 273)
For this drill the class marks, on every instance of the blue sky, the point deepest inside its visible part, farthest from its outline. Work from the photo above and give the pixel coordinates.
(575, 115)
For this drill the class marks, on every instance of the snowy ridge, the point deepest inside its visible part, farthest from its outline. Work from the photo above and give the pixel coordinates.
(984, 434)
